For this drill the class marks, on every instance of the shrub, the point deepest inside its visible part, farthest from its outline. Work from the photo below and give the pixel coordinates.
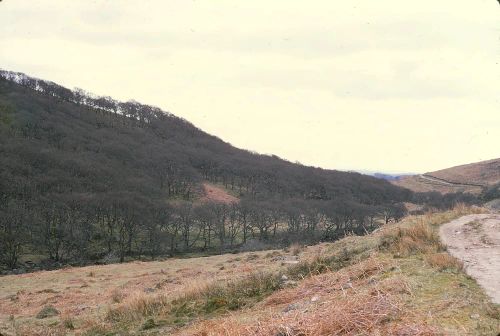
(47, 311)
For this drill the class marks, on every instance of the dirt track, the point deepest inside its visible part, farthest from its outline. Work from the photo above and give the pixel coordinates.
(475, 239)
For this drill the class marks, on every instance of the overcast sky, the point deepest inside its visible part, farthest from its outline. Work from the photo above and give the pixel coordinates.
(394, 86)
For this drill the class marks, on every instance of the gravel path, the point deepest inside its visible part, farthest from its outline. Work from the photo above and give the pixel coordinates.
(475, 239)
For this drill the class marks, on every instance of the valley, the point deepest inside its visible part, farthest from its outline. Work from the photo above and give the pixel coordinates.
(249, 168)
(118, 218)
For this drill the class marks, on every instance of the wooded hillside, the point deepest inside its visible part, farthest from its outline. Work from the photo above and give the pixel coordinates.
(86, 178)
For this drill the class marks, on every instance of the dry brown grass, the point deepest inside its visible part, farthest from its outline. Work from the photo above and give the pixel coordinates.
(88, 298)
(419, 184)
(481, 173)
(137, 306)
(380, 295)
(357, 300)
(117, 295)
(444, 261)
(418, 238)
(353, 315)
(295, 249)
(419, 234)
(350, 287)
(485, 172)
(329, 282)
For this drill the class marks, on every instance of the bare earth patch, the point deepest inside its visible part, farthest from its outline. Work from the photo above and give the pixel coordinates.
(212, 193)
(475, 239)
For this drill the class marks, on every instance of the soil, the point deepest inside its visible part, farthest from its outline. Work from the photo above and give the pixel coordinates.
(212, 193)
(475, 240)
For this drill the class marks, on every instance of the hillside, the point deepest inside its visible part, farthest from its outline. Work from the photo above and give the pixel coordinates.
(481, 173)
(398, 280)
(471, 178)
(90, 179)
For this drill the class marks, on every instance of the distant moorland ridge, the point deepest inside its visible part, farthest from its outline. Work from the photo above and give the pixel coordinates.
(472, 178)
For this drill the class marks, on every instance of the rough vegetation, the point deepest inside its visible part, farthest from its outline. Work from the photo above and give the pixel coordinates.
(396, 281)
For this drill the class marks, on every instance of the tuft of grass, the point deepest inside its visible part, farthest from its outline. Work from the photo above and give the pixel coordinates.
(68, 323)
(295, 249)
(444, 261)
(406, 241)
(138, 306)
(149, 324)
(117, 295)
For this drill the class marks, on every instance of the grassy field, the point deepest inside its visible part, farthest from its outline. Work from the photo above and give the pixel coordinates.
(398, 280)
(85, 295)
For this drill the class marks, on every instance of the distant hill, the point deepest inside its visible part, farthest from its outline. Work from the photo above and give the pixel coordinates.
(471, 178)
(382, 175)
(389, 177)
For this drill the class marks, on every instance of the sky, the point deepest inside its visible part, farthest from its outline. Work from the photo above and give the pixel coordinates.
(388, 85)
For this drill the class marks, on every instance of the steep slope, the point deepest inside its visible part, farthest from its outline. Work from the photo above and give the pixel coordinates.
(471, 178)
(150, 142)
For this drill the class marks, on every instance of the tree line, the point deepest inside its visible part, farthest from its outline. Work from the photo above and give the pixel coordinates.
(79, 231)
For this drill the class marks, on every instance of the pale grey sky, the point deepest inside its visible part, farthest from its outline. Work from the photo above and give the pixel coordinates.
(376, 85)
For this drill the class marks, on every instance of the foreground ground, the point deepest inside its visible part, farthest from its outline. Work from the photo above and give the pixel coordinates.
(87, 293)
(396, 281)
(475, 240)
